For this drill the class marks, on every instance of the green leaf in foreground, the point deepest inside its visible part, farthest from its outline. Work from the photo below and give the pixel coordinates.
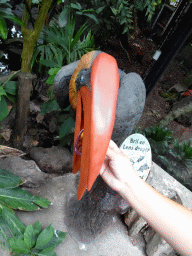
(42, 202)
(17, 198)
(28, 237)
(11, 87)
(5, 234)
(56, 239)
(9, 180)
(18, 245)
(16, 226)
(66, 127)
(47, 252)
(50, 105)
(44, 237)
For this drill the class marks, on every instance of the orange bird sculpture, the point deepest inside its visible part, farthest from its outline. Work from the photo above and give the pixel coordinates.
(95, 105)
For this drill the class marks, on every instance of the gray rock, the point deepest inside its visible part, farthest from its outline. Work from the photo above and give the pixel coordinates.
(112, 241)
(52, 160)
(26, 169)
(130, 104)
(158, 246)
(187, 117)
(61, 84)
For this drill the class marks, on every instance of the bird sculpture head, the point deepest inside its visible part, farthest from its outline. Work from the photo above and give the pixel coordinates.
(108, 102)
(93, 92)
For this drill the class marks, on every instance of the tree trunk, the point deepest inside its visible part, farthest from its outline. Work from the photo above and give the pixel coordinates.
(25, 87)
(30, 38)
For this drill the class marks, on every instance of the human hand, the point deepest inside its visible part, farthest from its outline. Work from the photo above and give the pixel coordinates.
(117, 169)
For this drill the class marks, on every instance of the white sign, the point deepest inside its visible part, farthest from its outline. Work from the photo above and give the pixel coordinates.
(138, 149)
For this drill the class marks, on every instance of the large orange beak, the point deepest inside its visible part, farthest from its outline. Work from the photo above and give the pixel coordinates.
(95, 116)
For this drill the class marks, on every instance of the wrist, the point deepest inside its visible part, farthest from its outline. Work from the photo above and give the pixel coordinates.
(129, 185)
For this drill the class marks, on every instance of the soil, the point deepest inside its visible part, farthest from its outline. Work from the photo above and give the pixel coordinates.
(137, 58)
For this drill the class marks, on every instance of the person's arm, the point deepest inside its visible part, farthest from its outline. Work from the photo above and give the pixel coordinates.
(170, 219)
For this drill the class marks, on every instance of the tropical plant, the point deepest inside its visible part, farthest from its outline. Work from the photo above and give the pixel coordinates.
(159, 138)
(61, 45)
(28, 240)
(8, 90)
(6, 14)
(15, 236)
(149, 6)
(81, 10)
(169, 154)
(118, 17)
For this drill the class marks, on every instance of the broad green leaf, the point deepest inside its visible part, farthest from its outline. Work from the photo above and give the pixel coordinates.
(16, 226)
(4, 111)
(44, 237)
(50, 105)
(76, 6)
(16, 19)
(91, 16)
(62, 21)
(50, 80)
(49, 63)
(100, 9)
(53, 71)
(12, 98)
(42, 202)
(18, 245)
(9, 180)
(66, 127)
(36, 231)
(17, 198)
(37, 226)
(56, 239)
(5, 234)
(47, 252)
(28, 237)
(2, 91)
(3, 29)
(67, 139)
(11, 87)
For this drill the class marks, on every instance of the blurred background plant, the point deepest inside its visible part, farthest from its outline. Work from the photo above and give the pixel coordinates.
(118, 18)
(171, 155)
(8, 91)
(61, 45)
(6, 14)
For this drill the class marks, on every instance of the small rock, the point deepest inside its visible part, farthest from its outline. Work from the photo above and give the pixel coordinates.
(52, 160)
(25, 169)
(52, 125)
(6, 134)
(34, 108)
(39, 118)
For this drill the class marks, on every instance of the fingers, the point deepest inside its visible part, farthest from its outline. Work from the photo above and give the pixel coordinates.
(110, 179)
(112, 150)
